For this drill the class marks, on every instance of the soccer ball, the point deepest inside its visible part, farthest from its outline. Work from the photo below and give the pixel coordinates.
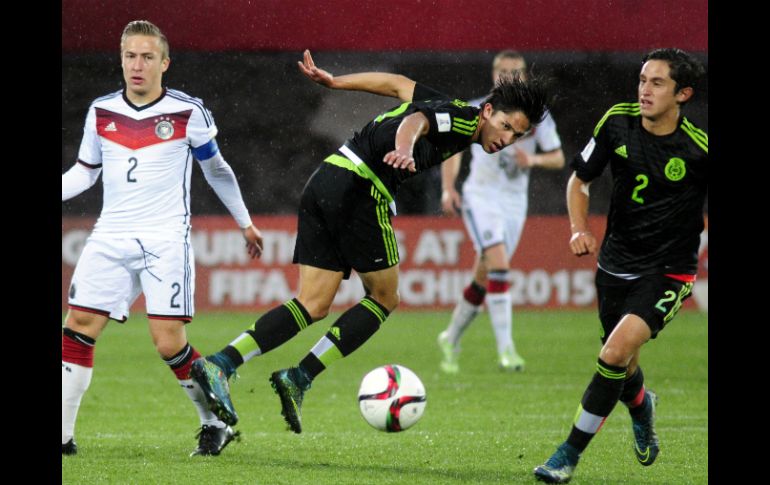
(391, 398)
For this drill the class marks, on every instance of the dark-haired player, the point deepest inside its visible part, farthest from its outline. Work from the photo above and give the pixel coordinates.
(648, 259)
(344, 221)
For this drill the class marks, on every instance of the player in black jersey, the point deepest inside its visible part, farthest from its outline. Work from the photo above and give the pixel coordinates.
(344, 221)
(648, 259)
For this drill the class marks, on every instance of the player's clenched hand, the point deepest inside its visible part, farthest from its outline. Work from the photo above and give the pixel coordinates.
(450, 202)
(309, 69)
(524, 159)
(582, 243)
(253, 241)
(400, 159)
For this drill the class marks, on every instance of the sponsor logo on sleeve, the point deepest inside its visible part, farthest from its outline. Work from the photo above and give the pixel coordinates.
(444, 122)
(588, 150)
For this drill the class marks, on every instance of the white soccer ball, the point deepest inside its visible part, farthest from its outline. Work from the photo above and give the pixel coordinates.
(391, 398)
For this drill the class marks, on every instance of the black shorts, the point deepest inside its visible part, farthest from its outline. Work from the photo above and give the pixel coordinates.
(653, 298)
(344, 223)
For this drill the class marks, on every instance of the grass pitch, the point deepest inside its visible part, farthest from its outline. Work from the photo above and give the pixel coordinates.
(480, 427)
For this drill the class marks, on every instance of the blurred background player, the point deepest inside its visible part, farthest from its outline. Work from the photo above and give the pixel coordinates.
(144, 138)
(494, 208)
(344, 222)
(649, 256)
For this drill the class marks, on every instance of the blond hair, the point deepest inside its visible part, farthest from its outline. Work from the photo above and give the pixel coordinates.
(507, 54)
(145, 27)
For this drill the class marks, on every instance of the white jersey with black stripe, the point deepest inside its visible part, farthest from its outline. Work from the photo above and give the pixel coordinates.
(146, 155)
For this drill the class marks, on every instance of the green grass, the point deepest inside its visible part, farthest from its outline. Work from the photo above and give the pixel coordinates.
(480, 427)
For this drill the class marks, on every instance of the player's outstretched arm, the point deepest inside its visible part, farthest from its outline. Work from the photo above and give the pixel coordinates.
(221, 178)
(78, 179)
(382, 83)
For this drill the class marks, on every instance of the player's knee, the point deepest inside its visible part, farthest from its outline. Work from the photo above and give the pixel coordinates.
(168, 348)
(388, 299)
(89, 324)
(168, 343)
(481, 278)
(496, 269)
(317, 309)
(78, 322)
(614, 355)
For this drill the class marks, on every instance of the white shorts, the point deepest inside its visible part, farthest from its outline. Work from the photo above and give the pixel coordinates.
(492, 220)
(111, 273)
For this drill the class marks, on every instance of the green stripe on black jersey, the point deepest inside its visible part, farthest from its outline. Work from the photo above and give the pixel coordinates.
(698, 136)
(630, 109)
(362, 170)
(392, 113)
(388, 235)
(464, 127)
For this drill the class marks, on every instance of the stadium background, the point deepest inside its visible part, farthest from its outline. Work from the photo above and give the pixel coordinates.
(275, 126)
(480, 427)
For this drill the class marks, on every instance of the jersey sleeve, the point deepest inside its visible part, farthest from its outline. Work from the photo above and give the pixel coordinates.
(546, 136)
(90, 152)
(451, 122)
(590, 162)
(423, 92)
(201, 131)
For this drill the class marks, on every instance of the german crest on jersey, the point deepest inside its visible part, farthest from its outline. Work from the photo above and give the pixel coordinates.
(164, 130)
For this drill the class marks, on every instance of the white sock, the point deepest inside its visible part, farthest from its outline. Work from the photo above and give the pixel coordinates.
(195, 394)
(500, 306)
(462, 316)
(75, 380)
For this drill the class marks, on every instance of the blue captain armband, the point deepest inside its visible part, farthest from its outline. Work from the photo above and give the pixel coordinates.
(206, 151)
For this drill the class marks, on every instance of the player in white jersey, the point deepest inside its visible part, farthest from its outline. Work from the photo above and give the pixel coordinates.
(494, 208)
(142, 140)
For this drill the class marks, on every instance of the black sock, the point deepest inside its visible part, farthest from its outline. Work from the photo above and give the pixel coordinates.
(349, 332)
(633, 394)
(279, 325)
(270, 331)
(599, 399)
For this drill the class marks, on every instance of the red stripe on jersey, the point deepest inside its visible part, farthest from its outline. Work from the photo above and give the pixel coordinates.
(685, 278)
(136, 134)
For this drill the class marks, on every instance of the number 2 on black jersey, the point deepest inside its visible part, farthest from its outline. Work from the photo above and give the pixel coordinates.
(644, 182)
